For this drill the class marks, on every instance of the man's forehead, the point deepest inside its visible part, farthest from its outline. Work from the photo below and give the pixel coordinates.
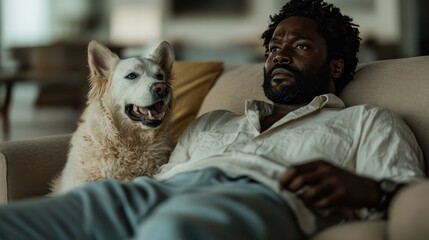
(299, 27)
(292, 34)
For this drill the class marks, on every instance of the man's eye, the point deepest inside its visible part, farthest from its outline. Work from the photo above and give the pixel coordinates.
(302, 47)
(274, 49)
(131, 76)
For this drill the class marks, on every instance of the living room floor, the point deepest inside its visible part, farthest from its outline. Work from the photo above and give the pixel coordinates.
(28, 121)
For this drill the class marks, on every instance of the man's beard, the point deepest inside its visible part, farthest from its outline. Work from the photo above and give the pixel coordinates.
(308, 84)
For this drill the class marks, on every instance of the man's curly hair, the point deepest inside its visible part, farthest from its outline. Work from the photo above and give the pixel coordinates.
(341, 35)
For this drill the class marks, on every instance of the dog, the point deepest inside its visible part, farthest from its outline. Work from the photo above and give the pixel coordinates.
(123, 131)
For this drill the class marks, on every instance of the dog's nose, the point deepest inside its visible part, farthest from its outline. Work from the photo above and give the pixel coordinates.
(160, 89)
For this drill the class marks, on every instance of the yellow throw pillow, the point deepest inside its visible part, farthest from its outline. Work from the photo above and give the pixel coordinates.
(193, 79)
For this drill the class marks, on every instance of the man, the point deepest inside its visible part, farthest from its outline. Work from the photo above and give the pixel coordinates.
(284, 170)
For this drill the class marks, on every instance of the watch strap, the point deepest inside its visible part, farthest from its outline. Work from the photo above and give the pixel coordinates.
(387, 189)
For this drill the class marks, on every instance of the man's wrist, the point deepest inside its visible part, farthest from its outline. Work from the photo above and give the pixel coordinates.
(387, 190)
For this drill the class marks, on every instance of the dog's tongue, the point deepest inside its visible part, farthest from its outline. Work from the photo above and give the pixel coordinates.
(154, 111)
(157, 107)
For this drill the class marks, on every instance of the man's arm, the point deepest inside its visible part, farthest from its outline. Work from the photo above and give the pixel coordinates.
(387, 149)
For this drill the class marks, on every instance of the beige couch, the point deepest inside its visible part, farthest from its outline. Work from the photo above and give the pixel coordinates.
(401, 85)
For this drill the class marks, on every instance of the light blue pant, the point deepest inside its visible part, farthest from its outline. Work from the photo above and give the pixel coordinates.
(196, 205)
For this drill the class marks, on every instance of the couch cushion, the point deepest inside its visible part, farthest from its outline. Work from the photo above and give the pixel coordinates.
(28, 165)
(191, 77)
(233, 87)
(376, 230)
(401, 85)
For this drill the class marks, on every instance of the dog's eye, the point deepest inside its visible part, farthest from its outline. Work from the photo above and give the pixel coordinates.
(159, 76)
(131, 76)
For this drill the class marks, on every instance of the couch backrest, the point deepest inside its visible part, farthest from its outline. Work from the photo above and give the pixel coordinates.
(401, 85)
(235, 84)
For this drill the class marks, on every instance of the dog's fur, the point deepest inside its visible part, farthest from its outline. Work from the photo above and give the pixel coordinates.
(118, 136)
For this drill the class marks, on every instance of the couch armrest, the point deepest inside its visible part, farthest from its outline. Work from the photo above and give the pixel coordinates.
(26, 167)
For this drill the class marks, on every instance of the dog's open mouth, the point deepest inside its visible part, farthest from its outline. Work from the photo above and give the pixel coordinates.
(151, 116)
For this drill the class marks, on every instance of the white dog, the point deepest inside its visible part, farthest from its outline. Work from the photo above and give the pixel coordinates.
(123, 132)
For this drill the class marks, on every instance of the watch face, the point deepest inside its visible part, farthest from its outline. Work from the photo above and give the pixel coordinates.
(388, 185)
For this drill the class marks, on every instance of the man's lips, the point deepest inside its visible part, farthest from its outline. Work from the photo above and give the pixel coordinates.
(281, 74)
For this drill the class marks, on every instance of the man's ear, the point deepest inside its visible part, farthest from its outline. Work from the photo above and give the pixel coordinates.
(336, 68)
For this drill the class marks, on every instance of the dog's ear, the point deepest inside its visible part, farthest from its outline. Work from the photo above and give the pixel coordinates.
(100, 59)
(164, 55)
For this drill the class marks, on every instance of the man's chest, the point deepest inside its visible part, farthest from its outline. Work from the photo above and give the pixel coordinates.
(289, 142)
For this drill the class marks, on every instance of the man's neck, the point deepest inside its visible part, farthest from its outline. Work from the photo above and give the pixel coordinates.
(279, 111)
(283, 109)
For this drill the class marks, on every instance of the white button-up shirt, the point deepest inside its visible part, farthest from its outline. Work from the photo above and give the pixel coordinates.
(365, 139)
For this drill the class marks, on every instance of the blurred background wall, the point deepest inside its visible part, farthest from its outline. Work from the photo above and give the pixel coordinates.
(48, 39)
(221, 29)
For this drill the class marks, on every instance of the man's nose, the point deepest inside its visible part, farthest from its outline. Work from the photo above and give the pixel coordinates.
(283, 56)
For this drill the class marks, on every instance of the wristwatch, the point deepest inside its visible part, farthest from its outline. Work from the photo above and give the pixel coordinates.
(387, 189)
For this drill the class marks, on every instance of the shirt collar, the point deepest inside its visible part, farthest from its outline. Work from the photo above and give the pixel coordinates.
(259, 109)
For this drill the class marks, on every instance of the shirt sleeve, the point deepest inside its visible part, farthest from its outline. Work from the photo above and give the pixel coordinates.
(388, 148)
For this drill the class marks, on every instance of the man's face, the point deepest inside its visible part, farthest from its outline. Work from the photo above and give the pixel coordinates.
(296, 69)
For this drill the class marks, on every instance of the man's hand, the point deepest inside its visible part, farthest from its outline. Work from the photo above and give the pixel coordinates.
(322, 185)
